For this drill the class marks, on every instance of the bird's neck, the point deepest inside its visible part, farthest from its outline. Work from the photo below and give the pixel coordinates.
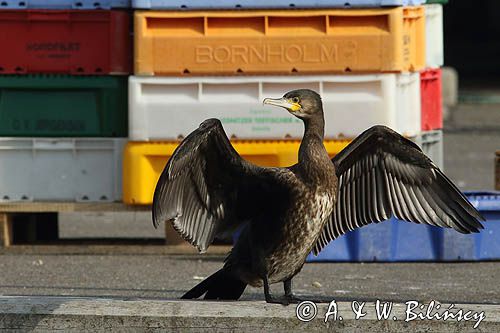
(312, 148)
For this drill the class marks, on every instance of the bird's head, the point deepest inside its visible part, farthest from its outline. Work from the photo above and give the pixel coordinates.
(302, 103)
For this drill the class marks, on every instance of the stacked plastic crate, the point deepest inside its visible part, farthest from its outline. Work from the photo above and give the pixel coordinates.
(63, 99)
(397, 240)
(430, 82)
(194, 60)
(192, 63)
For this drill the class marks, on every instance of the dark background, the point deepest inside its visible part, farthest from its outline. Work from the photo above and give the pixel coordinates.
(472, 40)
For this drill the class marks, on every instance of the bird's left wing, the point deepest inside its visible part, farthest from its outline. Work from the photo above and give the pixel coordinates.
(206, 188)
(382, 174)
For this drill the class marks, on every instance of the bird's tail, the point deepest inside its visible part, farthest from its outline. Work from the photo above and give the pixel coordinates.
(220, 285)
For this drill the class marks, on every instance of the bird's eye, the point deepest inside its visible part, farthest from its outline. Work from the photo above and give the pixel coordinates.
(295, 100)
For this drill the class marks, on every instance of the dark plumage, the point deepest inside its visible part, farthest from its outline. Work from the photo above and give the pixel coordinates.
(207, 189)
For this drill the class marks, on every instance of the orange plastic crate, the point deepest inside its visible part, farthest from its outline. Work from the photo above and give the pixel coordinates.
(143, 162)
(279, 42)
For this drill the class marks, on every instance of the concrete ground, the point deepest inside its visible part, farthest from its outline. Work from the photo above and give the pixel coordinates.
(168, 277)
(471, 137)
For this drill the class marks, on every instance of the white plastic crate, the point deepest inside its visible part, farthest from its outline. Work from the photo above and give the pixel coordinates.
(431, 143)
(61, 169)
(162, 108)
(434, 48)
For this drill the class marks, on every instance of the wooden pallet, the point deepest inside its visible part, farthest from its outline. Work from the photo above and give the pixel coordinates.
(8, 212)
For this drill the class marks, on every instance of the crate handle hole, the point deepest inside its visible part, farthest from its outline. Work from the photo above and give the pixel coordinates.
(237, 5)
(347, 69)
(22, 4)
(85, 197)
(184, 6)
(78, 4)
(97, 4)
(18, 69)
(1, 69)
(347, 4)
(6, 197)
(292, 5)
(79, 69)
(103, 197)
(98, 70)
(294, 70)
(24, 197)
(186, 71)
(239, 70)
(3, 4)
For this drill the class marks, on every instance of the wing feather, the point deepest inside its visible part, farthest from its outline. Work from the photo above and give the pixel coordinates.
(382, 174)
(203, 184)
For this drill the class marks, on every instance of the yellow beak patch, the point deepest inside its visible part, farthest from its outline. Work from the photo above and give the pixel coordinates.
(295, 106)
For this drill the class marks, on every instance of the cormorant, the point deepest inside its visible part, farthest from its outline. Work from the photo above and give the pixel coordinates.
(207, 189)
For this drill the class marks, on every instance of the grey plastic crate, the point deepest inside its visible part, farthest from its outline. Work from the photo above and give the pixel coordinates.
(431, 143)
(259, 4)
(61, 169)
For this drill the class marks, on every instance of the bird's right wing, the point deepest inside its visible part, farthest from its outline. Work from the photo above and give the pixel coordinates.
(206, 188)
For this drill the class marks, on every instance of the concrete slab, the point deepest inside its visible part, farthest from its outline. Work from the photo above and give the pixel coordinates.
(71, 314)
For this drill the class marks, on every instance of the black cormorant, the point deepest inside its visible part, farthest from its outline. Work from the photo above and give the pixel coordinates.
(207, 189)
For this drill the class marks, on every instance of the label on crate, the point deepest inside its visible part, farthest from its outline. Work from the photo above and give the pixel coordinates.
(258, 121)
(53, 46)
(58, 125)
(271, 53)
(53, 50)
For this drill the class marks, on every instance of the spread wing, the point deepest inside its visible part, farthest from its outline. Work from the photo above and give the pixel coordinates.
(206, 188)
(382, 174)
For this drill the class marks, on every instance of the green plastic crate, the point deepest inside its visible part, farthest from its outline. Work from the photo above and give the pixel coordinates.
(443, 2)
(61, 105)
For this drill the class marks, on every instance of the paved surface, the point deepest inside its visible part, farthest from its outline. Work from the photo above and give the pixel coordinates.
(471, 137)
(168, 277)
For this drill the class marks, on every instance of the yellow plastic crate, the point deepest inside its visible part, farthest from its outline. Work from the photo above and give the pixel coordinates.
(143, 162)
(279, 41)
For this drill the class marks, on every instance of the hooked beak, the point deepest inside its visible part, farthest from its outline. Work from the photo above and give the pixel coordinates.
(282, 102)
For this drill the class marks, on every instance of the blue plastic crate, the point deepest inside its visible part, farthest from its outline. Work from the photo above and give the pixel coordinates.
(375, 241)
(481, 246)
(396, 240)
(258, 4)
(457, 246)
(389, 241)
(416, 242)
(343, 248)
(64, 4)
